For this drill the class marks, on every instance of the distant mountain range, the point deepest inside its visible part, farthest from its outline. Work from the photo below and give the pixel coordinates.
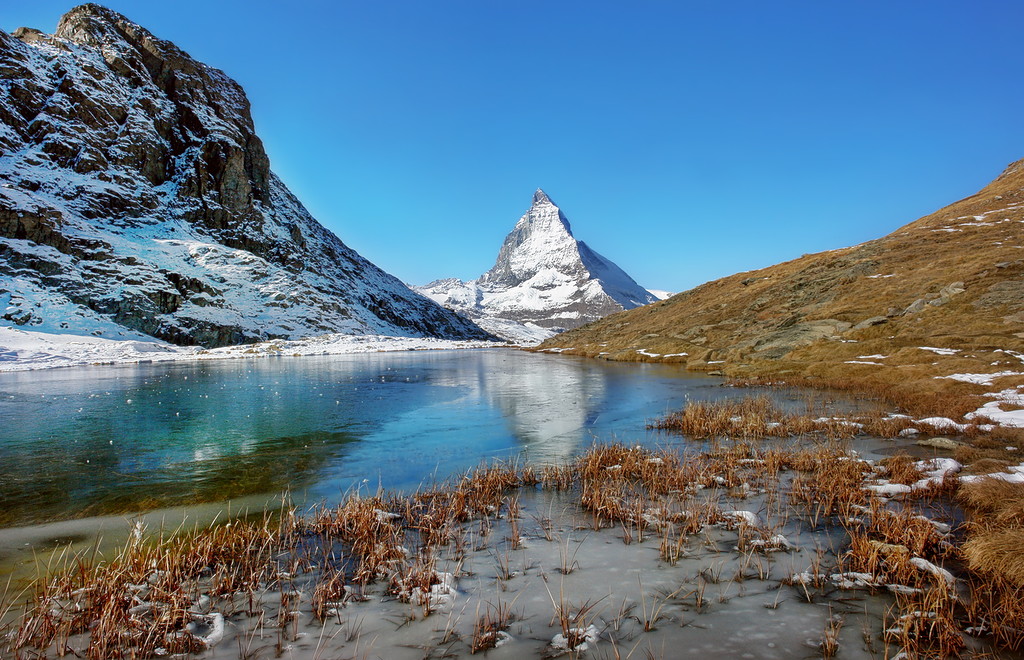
(136, 200)
(543, 282)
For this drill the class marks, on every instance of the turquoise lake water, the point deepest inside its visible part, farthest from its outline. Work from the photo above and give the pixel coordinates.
(102, 439)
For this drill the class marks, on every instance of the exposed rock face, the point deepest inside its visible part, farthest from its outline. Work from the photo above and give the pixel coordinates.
(135, 197)
(544, 281)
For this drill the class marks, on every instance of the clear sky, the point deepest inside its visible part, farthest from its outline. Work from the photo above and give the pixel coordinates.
(684, 140)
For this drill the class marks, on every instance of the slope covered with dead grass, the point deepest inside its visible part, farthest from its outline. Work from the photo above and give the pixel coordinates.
(865, 317)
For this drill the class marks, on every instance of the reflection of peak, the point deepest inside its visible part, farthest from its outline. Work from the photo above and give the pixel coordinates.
(547, 404)
(541, 197)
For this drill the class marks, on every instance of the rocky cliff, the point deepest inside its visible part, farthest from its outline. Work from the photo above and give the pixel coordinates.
(543, 281)
(136, 198)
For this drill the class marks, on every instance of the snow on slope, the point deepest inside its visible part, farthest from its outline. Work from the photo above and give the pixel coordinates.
(543, 281)
(24, 350)
(136, 200)
(660, 295)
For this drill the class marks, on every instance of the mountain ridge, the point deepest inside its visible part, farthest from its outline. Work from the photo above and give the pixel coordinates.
(136, 199)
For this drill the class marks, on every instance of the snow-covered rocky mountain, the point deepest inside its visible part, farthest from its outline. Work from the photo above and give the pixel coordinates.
(543, 282)
(136, 199)
(660, 294)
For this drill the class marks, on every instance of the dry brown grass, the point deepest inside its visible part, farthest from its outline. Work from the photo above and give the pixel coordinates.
(488, 627)
(906, 528)
(997, 553)
(926, 402)
(887, 426)
(674, 495)
(997, 604)
(992, 552)
(900, 469)
(986, 452)
(925, 625)
(750, 417)
(829, 483)
(1011, 515)
(630, 486)
(1007, 436)
(795, 321)
(329, 594)
(981, 466)
(753, 417)
(996, 582)
(829, 644)
(990, 495)
(140, 600)
(885, 544)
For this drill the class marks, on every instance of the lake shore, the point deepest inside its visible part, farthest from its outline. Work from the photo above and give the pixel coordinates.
(739, 540)
(742, 549)
(25, 350)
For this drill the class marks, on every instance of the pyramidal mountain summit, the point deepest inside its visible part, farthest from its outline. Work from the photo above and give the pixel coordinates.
(543, 282)
(137, 201)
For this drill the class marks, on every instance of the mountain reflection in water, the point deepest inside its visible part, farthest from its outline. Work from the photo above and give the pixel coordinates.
(116, 439)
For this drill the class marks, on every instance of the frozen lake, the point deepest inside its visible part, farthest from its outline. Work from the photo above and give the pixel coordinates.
(97, 440)
(184, 438)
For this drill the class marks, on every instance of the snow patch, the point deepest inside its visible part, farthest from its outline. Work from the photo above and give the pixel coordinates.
(940, 351)
(24, 350)
(980, 379)
(583, 637)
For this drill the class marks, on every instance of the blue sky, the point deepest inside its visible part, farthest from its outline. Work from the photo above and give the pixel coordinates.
(684, 140)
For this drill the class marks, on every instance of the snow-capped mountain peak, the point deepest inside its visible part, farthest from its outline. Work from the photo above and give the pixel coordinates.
(541, 240)
(543, 278)
(541, 197)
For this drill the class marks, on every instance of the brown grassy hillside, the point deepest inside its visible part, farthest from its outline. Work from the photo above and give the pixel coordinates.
(953, 279)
